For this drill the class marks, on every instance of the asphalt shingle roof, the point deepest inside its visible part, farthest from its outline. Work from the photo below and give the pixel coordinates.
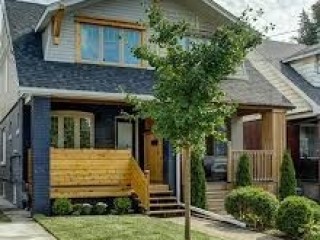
(33, 71)
(275, 52)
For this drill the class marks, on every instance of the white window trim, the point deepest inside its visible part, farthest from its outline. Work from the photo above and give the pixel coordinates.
(4, 147)
(76, 115)
(121, 48)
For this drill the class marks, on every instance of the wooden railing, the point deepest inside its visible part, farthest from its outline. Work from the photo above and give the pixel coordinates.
(85, 173)
(261, 164)
(140, 183)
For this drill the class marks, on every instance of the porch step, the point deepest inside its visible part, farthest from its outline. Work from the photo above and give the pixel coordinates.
(158, 187)
(167, 213)
(216, 193)
(163, 203)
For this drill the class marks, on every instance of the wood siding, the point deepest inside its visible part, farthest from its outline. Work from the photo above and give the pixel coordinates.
(308, 69)
(252, 135)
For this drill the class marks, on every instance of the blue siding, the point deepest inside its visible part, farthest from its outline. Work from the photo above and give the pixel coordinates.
(40, 147)
(169, 165)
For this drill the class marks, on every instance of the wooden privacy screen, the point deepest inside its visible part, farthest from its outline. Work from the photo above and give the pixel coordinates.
(88, 173)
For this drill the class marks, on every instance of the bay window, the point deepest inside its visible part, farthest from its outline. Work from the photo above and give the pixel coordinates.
(109, 44)
(72, 130)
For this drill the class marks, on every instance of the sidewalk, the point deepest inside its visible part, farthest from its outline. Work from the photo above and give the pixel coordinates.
(222, 230)
(22, 226)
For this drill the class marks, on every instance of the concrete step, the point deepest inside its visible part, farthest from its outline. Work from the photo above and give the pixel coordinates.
(165, 205)
(156, 193)
(163, 199)
(216, 186)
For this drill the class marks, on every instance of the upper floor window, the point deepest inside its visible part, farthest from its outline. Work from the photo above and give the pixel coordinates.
(109, 44)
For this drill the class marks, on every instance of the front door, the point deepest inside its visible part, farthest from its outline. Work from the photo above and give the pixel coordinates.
(154, 157)
(124, 135)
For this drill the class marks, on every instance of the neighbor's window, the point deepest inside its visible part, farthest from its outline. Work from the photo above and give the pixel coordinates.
(4, 147)
(308, 142)
(72, 130)
(109, 44)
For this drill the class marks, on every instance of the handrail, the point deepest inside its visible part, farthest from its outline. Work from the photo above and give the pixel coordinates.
(140, 182)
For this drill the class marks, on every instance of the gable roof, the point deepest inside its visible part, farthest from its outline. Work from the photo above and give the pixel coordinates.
(65, 4)
(275, 52)
(307, 51)
(36, 73)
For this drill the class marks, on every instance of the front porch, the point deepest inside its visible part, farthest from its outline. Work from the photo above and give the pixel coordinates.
(81, 149)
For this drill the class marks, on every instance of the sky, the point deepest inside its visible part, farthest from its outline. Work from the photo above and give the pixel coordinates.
(283, 13)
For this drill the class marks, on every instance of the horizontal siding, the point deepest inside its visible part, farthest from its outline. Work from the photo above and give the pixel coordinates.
(279, 81)
(307, 68)
(126, 10)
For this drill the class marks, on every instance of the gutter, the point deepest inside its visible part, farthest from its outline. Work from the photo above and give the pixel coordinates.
(78, 94)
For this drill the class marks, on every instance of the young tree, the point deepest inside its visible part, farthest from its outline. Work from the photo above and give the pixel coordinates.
(198, 180)
(188, 103)
(243, 175)
(288, 181)
(307, 30)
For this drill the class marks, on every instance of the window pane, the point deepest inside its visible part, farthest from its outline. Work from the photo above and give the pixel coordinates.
(68, 131)
(111, 40)
(89, 42)
(54, 132)
(85, 126)
(132, 39)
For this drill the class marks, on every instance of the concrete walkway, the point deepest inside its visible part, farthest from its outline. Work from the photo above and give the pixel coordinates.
(22, 226)
(222, 230)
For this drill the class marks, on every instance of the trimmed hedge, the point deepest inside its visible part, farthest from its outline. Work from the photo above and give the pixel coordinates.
(61, 207)
(295, 215)
(122, 205)
(252, 205)
(243, 176)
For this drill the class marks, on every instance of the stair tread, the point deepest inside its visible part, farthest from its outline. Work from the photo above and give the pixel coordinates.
(164, 204)
(166, 211)
(163, 198)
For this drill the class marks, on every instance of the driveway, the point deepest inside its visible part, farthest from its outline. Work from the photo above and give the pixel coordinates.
(22, 226)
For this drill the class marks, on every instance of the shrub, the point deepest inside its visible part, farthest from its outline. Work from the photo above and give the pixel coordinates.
(198, 181)
(77, 209)
(61, 207)
(254, 206)
(288, 182)
(294, 216)
(122, 205)
(100, 208)
(86, 209)
(315, 209)
(243, 176)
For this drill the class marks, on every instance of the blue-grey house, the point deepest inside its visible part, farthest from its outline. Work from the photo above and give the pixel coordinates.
(62, 123)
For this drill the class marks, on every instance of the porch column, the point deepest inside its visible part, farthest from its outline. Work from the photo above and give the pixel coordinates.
(237, 133)
(40, 147)
(274, 137)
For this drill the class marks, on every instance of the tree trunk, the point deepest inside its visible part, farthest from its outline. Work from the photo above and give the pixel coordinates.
(186, 155)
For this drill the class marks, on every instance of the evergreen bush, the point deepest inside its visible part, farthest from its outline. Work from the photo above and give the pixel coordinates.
(198, 181)
(61, 207)
(288, 181)
(243, 175)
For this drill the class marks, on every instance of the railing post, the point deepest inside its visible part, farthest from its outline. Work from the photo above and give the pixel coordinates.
(147, 198)
(229, 166)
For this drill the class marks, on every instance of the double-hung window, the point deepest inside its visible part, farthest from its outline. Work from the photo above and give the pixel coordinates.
(109, 44)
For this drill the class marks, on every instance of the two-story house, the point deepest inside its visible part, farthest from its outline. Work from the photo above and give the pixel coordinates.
(294, 70)
(64, 131)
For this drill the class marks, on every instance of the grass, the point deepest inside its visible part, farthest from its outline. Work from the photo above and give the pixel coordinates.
(115, 228)
(4, 218)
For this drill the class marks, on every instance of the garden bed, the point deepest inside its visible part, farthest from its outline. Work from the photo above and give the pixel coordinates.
(115, 227)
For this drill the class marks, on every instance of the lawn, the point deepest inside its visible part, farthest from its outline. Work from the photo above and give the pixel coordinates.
(115, 228)
(4, 218)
